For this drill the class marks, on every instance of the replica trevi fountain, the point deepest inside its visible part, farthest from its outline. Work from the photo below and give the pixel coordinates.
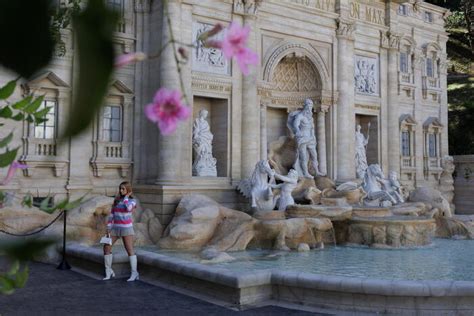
(292, 204)
(329, 147)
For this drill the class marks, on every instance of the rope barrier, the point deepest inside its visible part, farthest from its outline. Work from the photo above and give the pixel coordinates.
(35, 232)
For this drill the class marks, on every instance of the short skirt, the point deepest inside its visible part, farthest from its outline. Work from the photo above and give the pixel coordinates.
(120, 232)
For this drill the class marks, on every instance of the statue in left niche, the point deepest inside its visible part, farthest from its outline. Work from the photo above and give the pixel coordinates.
(204, 163)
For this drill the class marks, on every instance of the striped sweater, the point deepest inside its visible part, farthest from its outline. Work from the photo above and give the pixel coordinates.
(121, 214)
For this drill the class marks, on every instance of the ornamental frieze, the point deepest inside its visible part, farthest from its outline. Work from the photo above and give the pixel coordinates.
(372, 107)
(210, 85)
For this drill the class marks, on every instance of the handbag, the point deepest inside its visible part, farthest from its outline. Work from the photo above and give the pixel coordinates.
(106, 240)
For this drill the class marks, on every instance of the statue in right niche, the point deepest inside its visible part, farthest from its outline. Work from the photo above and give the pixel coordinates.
(204, 163)
(360, 151)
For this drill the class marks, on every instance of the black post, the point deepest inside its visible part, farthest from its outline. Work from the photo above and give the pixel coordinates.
(64, 265)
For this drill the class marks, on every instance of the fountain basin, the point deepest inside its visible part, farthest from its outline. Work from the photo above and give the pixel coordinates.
(391, 231)
(366, 280)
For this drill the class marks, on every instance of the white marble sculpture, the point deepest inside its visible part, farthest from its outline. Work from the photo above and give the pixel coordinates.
(204, 164)
(259, 187)
(360, 151)
(378, 189)
(393, 187)
(290, 182)
(208, 59)
(301, 125)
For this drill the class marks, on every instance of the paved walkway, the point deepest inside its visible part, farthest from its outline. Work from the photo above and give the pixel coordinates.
(53, 292)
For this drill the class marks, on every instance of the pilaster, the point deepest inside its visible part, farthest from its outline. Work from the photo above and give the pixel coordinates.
(250, 107)
(391, 42)
(345, 105)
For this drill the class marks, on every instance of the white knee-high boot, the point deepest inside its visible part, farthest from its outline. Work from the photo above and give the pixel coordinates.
(133, 266)
(108, 267)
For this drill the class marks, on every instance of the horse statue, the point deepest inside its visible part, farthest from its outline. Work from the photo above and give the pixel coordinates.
(258, 187)
(373, 185)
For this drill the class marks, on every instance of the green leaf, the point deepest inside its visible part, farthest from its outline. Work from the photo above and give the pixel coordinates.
(73, 204)
(5, 141)
(30, 118)
(6, 112)
(14, 268)
(18, 117)
(25, 26)
(26, 249)
(7, 90)
(7, 157)
(33, 106)
(44, 205)
(22, 277)
(61, 205)
(94, 32)
(7, 285)
(27, 201)
(42, 113)
(22, 103)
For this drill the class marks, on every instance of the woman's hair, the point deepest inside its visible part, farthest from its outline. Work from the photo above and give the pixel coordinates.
(128, 187)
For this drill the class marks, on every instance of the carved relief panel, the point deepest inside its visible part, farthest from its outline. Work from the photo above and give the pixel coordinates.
(208, 59)
(366, 75)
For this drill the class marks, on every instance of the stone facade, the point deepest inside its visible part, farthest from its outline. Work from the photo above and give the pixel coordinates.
(382, 62)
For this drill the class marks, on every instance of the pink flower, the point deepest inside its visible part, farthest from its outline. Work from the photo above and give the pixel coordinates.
(233, 44)
(166, 110)
(215, 30)
(126, 59)
(11, 172)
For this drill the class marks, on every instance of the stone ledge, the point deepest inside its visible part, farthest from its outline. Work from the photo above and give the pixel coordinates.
(250, 288)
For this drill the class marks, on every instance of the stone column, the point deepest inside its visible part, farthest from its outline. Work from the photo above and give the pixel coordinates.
(321, 137)
(172, 148)
(392, 106)
(250, 107)
(345, 105)
(263, 131)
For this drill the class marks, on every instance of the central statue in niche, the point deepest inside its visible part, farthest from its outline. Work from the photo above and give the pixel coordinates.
(301, 125)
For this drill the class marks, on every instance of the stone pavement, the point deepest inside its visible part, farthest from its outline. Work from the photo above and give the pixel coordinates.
(53, 292)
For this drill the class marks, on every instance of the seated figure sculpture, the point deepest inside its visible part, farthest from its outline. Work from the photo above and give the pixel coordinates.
(392, 186)
(290, 182)
(379, 190)
(301, 125)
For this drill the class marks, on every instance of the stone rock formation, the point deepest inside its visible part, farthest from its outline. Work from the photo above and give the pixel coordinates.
(200, 222)
(433, 198)
(85, 223)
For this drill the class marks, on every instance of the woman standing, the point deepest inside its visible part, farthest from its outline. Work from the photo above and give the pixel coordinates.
(120, 224)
